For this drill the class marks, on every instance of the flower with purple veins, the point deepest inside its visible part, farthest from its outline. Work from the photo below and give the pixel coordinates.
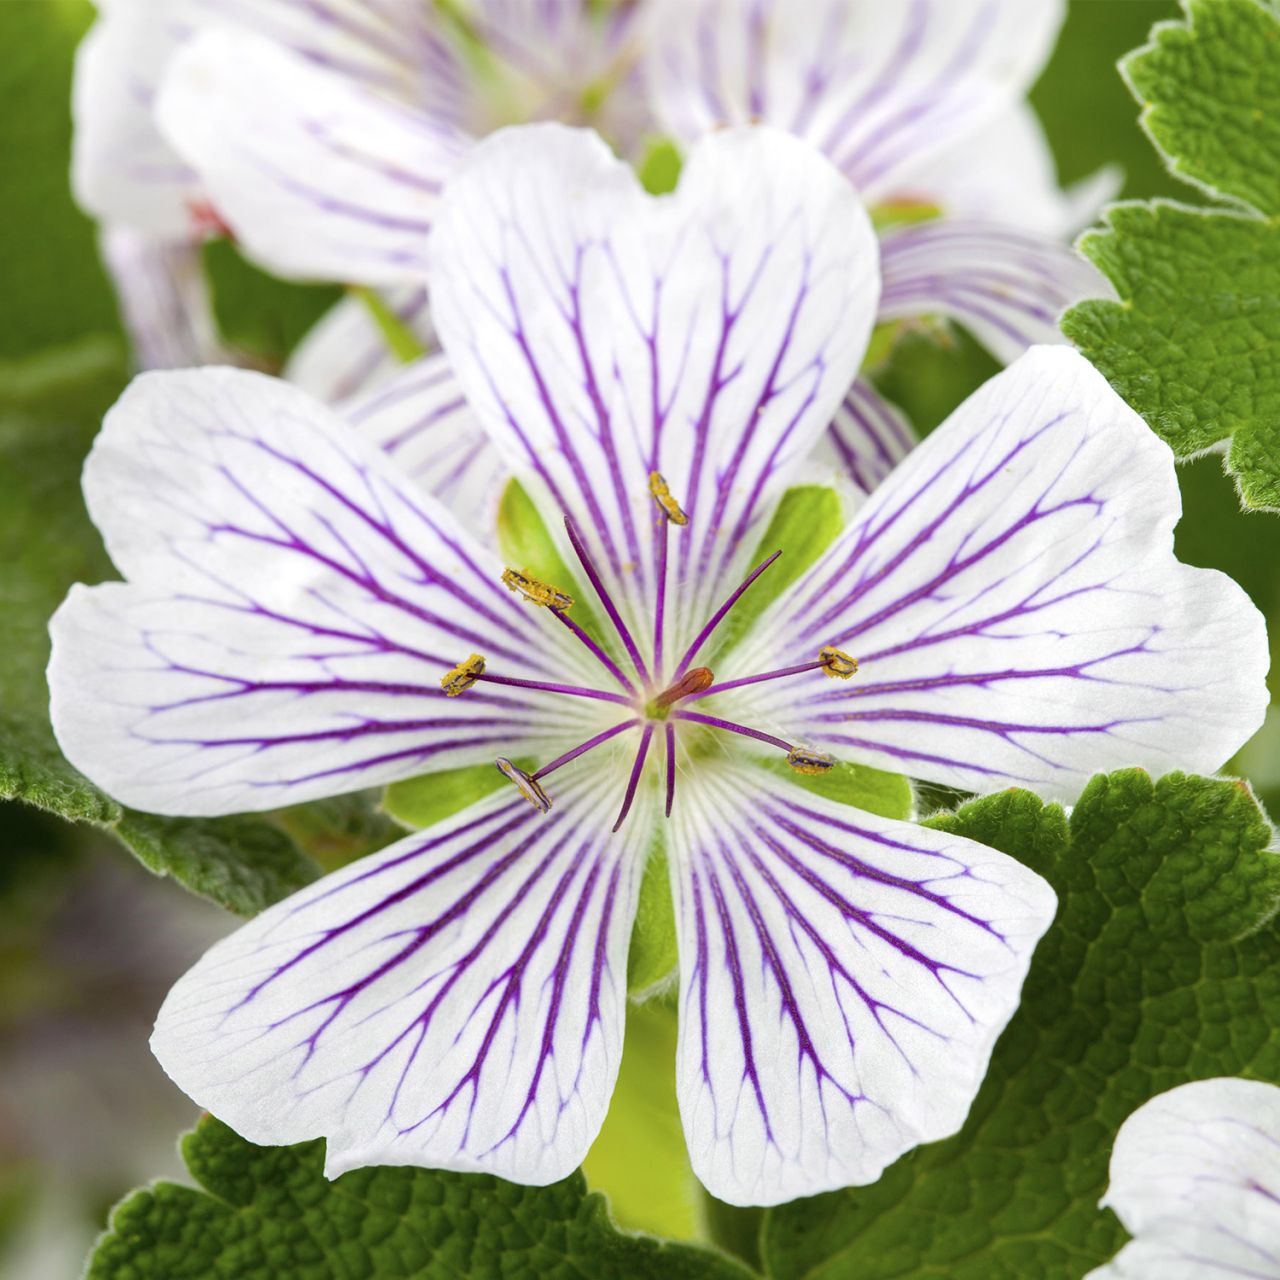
(298, 618)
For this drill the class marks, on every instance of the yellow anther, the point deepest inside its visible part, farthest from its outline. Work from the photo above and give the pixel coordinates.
(528, 786)
(836, 663)
(536, 592)
(662, 496)
(463, 676)
(802, 760)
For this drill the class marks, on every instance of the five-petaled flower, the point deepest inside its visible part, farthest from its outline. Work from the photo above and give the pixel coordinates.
(299, 619)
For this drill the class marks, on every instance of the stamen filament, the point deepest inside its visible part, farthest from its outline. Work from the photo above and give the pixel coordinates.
(572, 690)
(768, 675)
(716, 723)
(609, 665)
(584, 747)
(634, 780)
(607, 600)
(660, 611)
(671, 765)
(718, 616)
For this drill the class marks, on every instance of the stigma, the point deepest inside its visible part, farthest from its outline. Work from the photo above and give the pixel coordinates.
(535, 592)
(526, 784)
(463, 676)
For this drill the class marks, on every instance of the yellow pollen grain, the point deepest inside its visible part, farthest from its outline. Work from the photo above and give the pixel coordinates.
(836, 663)
(802, 760)
(528, 787)
(463, 676)
(662, 496)
(535, 592)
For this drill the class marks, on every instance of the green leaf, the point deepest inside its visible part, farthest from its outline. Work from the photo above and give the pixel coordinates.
(50, 407)
(640, 1160)
(269, 1214)
(1160, 968)
(1192, 341)
(1210, 94)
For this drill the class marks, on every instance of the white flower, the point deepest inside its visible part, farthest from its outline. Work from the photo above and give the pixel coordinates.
(1195, 1178)
(292, 603)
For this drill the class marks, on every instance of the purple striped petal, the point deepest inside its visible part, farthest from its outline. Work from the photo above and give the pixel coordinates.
(164, 299)
(843, 981)
(291, 604)
(1012, 597)
(319, 175)
(1005, 173)
(601, 334)
(1007, 287)
(868, 437)
(421, 419)
(1195, 1178)
(454, 1001)
(879, 88)
(346, 353)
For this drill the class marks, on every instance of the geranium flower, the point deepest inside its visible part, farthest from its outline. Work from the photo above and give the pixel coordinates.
(320, 135)
(1195, 1178)
(299, 618)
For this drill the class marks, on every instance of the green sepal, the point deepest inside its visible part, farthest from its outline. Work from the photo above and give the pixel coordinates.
(429, 798)
(526, 544)
(886, 794)
(653, 957)
(403, 343)
(640, 1160)
(659, 167)
(806, 521)
(269, 1213)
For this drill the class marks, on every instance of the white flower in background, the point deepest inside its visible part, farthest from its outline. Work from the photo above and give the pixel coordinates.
(298, 618)
(322, 133)
(1195, 1179)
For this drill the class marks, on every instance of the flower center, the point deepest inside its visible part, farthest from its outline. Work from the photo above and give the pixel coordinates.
(649, 704)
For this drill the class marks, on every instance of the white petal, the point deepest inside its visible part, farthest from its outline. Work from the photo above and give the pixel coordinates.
(454, 1001)
(1007, 287)
(878, 87)
(1195, 1177)
(421, 419)
(319, 175)
(868, 437)
(164, 299)
(345, 353)
(844, 979)
(122, 168)
(1012, 595)
(1005, 173)
(291, 604)
(601, 334)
